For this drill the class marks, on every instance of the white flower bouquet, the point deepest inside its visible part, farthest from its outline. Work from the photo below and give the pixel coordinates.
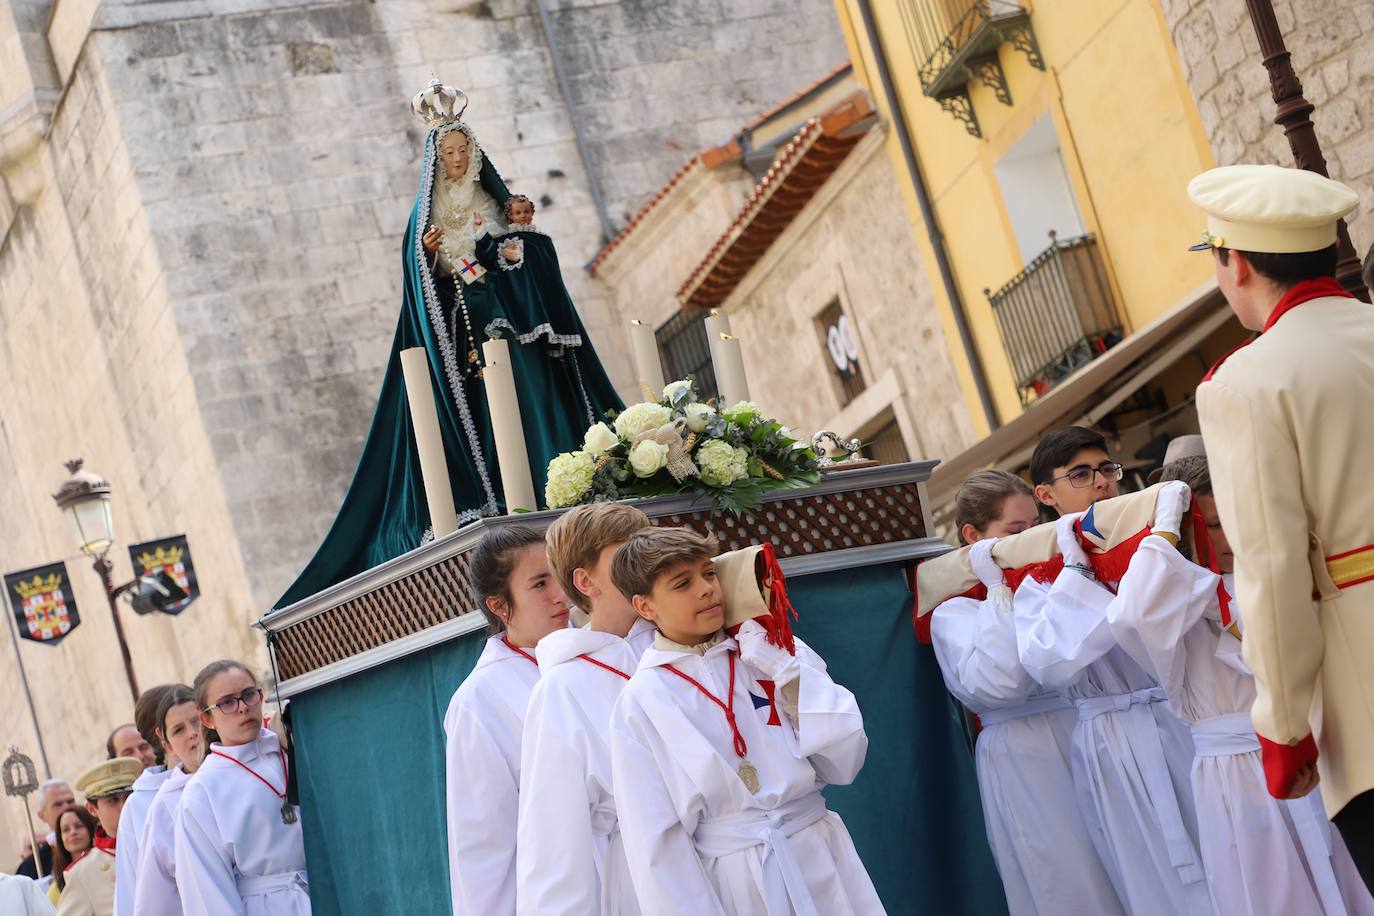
(682, 445)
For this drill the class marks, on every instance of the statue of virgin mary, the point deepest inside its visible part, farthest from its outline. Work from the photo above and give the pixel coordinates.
(448, 302)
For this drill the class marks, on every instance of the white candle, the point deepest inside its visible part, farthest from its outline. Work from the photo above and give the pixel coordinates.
(644, 348)
(424, 419)
(730, 378)
(717, 323)
(511, 454)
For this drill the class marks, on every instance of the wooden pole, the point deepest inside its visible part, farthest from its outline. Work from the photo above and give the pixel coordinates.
(1295, 117)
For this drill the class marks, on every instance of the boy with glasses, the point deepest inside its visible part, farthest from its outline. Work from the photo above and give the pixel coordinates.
(1071, 470)
(1131, 755)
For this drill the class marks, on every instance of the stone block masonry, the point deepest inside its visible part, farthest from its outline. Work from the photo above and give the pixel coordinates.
(1332, 43)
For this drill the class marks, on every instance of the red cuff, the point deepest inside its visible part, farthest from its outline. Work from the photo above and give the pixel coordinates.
(1282, 762)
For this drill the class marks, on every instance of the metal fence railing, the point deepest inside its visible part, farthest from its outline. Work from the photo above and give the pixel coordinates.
(938, 30)
(1056, 315)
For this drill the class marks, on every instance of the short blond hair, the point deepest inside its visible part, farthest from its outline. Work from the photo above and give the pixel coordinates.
(650, 553)
(577, 538)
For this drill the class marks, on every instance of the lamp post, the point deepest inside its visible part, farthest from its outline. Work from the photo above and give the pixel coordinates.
(85, 497)
(1294, 115)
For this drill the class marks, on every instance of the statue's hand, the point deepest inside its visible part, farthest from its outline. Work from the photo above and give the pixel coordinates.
(432, 238)
(477, 221)
(511, 251)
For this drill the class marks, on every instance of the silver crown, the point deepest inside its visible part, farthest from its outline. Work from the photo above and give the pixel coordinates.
(438, 104)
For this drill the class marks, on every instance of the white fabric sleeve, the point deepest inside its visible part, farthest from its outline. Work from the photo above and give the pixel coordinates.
(39, 904)
(555, 845)
(830, 727)
(483, 810)
(1160, 598)
(126, 860)
(205, 871)
(1256, 479)
(662, 857)
(156, 888)
(975, 644)
(1061, 629)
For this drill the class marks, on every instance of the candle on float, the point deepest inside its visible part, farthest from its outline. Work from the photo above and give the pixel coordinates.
(424, 420)
(717, 323)
(504, 407)
(644, 349)
(730, 377)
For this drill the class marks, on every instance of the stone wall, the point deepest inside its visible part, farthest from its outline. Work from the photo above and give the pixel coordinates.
(1332, 42)
(199, 263)
(852, 242)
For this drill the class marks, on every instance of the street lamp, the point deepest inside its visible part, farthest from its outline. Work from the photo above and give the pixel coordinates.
(85, 497)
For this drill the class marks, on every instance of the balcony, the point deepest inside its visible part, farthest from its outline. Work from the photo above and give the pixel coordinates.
(956, 42)
(1057, 315)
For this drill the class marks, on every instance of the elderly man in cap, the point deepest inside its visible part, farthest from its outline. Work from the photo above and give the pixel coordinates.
(90, 887)
(1286, 419)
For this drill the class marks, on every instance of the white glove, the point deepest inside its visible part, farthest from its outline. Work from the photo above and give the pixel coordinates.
(1070, 548)
(984, 566)
(766, 658)
(1170, 506)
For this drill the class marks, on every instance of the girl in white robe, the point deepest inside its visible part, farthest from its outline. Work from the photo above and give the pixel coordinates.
(238, 843)
(1022, 755)
(1131, 754)
(571, 858)
(181, 731)
(524, 602)
(1263, 856)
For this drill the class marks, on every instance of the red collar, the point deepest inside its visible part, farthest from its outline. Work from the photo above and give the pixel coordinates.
(104, 841)
(1304, 291)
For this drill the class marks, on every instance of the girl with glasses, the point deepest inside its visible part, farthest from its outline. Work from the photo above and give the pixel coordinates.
(523, 603)
(238, 846)
(180, 732)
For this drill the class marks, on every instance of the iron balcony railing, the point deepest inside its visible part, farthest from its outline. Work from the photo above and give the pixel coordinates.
(956, 41)
(1056, 315)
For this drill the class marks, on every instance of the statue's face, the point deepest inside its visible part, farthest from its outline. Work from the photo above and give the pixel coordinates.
(521, 212)
(453, 154)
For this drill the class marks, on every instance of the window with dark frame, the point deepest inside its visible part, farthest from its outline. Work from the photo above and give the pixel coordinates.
(684, 350)
(842, 352)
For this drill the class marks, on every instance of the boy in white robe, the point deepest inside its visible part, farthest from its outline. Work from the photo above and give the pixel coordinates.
(719, 749)
(135, 813)
(1263, 856)
(180, 732)
(523, 603)
(1022, 755)
(1131, 755)
(569, 855)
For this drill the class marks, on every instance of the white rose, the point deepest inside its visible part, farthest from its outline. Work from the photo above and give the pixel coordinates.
(698, 416)
(639, 418)
(648, 458)
(599, 440)
(674, 389)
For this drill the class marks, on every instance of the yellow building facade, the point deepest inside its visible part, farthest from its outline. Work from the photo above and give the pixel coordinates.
(1071, 116)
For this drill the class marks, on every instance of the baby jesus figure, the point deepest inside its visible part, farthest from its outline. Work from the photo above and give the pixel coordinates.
(550, 351)
(529, 282)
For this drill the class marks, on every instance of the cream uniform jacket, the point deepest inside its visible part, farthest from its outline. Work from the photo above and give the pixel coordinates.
(1287, 425)
(90, 889)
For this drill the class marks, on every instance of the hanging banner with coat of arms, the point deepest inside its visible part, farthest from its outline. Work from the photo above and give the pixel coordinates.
(170, 555)
(43, 602)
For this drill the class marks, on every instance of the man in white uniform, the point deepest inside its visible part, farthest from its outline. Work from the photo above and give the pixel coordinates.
(1287, 424)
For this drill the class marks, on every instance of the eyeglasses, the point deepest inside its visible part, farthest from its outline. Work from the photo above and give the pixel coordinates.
(1082, 477)
(249, 699)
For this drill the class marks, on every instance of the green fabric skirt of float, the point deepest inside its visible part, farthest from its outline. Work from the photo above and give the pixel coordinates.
(370, 764)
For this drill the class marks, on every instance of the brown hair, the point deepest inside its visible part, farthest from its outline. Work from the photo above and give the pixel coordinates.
(147, 720)
(513, 199)
(980, 500)
(61, 857)
(201, 686)
(651, 552)
(492, 563)
(1193, 471)
(578, 537)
